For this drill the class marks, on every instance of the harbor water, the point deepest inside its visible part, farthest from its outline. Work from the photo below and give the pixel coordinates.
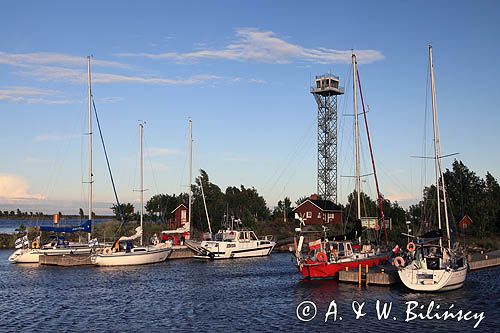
(257, 294)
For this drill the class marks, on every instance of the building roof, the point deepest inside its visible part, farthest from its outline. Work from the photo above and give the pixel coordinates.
(181, 205)
(325, 205)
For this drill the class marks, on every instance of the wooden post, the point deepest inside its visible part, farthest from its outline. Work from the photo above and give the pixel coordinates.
(366, 269)
(359, 275)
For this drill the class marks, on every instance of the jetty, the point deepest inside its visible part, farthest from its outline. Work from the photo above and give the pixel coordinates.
(65, 260)
(387, 275)
(181, 252)
(483, 260)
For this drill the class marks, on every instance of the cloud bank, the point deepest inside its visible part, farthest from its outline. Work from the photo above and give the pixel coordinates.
(266, 47)
(13, 188)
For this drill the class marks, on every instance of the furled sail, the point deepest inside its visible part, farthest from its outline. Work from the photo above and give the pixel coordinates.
(138, 233)
(85, 227)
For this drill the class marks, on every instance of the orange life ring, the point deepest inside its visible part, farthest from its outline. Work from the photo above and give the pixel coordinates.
(35, 244)
(321, 256)
(398, 262)
(411, 247)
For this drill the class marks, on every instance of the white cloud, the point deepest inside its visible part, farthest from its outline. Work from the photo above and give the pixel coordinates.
(47, 73)
(30, 95)
(57, 67)
(155, 152)
(265, 46)
(60, 59)
(54, 137)
(115, 99)
(13, 187)
(257, 81)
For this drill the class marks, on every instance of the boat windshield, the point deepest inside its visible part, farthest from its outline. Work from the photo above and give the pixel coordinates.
(225, 236)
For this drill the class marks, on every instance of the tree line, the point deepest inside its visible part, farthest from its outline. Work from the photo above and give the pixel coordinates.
(467, 194)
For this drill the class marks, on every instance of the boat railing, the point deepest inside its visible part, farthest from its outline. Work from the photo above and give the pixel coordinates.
(267, 237)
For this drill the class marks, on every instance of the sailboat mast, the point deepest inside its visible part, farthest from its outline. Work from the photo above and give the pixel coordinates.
(90, 175)
(356, 133)
(437, 152)
(206, 210)
(141, 126)
(436, 139)
(190, 173)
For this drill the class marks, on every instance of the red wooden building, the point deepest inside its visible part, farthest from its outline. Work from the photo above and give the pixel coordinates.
(316, 211)
(180, 217)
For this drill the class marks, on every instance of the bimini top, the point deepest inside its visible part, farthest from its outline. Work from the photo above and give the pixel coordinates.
(85, 227)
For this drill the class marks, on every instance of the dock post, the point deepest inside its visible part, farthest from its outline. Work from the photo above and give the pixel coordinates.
(359, 275)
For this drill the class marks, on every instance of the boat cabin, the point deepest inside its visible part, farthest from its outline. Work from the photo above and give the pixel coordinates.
(233, 236)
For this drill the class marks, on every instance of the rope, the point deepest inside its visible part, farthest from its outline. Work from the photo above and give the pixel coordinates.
(373, 161)
(109, 168)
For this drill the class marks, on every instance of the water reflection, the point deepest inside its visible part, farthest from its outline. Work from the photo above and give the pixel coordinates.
(259, 294)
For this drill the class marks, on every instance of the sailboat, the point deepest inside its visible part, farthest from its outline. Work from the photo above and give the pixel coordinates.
(31, 254)
(326, 257)
(182, 234)
(124, 252)
(433, 266)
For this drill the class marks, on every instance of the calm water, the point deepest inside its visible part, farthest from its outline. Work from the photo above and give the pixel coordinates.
(234, 295)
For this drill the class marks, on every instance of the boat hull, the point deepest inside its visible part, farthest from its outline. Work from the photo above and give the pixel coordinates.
(329, 270)
(235, 253)
(150, 256)
(24, 256)
(433, 280)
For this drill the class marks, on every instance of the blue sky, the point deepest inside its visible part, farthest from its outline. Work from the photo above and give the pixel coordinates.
(241, 71)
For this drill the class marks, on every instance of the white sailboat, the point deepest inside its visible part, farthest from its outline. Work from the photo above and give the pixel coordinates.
(30, 253)
(124, 252)
(433, 266)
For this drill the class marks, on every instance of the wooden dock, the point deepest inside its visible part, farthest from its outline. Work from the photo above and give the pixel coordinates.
(65, 260)
(379, 275)
(484, 260)
(181, 252)
(388, 275)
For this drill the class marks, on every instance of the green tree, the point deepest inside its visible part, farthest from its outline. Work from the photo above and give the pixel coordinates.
(127, 211)
(283, 206)
(215, 203)
(160, 206)
(491, 204)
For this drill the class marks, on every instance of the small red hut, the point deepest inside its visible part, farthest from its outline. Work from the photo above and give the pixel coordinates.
(180, 217)
(316, 211)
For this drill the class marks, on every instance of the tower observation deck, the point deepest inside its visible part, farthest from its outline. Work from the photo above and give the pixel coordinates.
(325, 91)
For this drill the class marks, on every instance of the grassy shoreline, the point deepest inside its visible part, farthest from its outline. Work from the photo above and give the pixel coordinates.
(108, 231)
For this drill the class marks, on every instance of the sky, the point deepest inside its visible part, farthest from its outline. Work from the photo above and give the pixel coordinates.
(242, 72)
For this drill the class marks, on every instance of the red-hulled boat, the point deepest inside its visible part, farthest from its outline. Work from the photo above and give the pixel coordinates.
(326, 259)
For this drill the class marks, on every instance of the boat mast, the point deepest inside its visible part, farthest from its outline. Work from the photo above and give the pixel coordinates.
(141, 126)
(205, 204)
(437, 153)
(356, 133)
(90, 175)
(190, 173)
